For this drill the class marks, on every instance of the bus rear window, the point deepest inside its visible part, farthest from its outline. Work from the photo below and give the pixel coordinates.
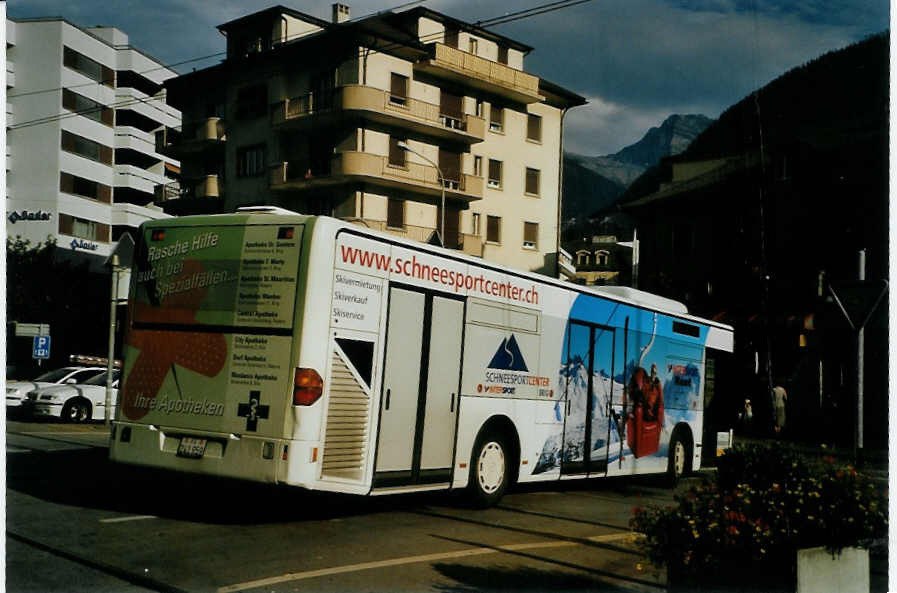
(225, 276)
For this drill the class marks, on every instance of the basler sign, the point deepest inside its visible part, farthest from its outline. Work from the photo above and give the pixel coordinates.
(26, 216)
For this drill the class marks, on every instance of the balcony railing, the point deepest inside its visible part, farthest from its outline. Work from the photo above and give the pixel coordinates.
(480, 72)
(380, 105)
(201, 187)
(194, 137)
(374, 169)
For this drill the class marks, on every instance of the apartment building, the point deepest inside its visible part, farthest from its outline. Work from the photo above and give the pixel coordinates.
(82, 108)
(405, 122)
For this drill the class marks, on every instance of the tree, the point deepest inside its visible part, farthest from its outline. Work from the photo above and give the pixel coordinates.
(42, 287)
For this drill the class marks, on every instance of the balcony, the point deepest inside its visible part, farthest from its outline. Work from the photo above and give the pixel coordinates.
(480, 73)
(314, 109)
(469, 244)
(376, 170)
(195, 138)
(198, 195)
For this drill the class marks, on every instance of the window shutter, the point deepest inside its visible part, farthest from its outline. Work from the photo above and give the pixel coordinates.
(532, 181)
(104, 193)
(451, 38)
(395, 214)
(496, 118)
(502, 54)
(534, 128)
(450, 105)
(103, 233)
(66, 224)
(398, 87)
(495, 171)
(493, 229)
(396, 154)
(66, 183)
(530, 234)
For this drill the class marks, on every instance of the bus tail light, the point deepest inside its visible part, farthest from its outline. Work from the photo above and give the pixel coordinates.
(307, 387)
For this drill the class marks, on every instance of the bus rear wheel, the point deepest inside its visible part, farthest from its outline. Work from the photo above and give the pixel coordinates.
(490, 470)
(679, 464)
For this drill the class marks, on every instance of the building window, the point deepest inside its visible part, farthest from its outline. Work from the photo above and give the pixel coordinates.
(395, 214)
(479, 108)
(496, 118)
(90, 68)
(252, 102)
(397, 156)
(530, 235)
(473, 46)
(493, 229)
(478, 166)
(87, 148)
(83, 228)
(532, 181)
(251, 160)
(398, 89)
(533, 128)
(494, 174)
(79, 186)
(602, 258)
(502, 54)
(582, 258)
(451, 38)
(475, 224)
(87, 107)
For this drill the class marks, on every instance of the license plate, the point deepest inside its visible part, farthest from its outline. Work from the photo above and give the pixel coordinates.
(191, 447)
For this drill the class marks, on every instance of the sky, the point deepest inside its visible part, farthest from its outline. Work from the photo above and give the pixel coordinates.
(635, 61)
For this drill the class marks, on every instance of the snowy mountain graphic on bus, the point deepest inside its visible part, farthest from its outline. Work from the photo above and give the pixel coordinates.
(508, 357)
(574, 379)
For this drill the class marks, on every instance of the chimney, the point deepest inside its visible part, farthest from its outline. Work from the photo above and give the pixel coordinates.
(340, 13)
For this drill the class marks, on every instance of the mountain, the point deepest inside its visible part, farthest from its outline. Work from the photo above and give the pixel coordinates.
(595, 183)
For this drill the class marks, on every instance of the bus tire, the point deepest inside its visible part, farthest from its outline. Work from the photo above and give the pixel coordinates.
(76, 411)
(490, 469)
(680, 455)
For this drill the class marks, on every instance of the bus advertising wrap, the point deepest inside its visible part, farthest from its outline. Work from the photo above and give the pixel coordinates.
(212, 316)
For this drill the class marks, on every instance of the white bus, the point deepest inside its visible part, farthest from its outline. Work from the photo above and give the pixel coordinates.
(302, 350)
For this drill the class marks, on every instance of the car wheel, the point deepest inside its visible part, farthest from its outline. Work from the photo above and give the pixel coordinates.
(490, 469)
(76, 411)
(679, 464)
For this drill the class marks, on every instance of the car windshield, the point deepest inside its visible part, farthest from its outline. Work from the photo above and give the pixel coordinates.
(54, 376)
(101, 378)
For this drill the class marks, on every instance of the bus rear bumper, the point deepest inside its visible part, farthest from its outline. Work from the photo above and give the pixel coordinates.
(245, 457)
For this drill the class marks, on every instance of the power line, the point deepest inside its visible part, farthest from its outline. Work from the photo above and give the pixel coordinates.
(495, 21)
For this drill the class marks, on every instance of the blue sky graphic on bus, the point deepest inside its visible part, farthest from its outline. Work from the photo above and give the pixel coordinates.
(659, 369)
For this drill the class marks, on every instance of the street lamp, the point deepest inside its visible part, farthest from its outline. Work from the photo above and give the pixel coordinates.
(634, 246)
(404, 146)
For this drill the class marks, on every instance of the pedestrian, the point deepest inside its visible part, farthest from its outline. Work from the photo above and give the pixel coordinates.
(779, 397)
(746, 416)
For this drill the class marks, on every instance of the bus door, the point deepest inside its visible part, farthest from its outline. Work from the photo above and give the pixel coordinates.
(420, 388)
(590, 390)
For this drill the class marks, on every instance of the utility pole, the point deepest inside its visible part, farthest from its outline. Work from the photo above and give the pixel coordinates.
(861, 341)
(110, 364)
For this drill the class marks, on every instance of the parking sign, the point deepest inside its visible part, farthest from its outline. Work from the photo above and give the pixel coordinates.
(41, 347)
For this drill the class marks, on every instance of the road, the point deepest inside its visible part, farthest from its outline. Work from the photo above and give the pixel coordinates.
(76, 522)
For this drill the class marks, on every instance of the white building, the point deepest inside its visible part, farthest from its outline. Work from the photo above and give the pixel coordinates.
(82, 109)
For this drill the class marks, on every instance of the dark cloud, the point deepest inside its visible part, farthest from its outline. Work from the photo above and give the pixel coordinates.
(636, 60)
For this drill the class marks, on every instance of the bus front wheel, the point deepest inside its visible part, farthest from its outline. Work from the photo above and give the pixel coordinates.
(490, 469)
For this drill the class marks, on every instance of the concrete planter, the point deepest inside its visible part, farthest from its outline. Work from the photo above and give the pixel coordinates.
(846, 572)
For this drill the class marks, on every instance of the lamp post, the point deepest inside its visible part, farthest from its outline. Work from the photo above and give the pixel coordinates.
(634, 246)
(404, 146)
(110, 363)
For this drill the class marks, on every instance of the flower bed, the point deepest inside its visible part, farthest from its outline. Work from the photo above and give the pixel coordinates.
(743, 530)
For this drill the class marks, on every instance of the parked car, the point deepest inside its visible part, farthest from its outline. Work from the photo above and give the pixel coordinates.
(17, 390)
(77, 402)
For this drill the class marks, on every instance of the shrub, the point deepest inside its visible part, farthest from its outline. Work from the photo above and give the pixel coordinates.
(746, 527)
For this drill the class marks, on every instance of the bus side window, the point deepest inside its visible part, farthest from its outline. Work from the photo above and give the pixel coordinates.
(361, 355)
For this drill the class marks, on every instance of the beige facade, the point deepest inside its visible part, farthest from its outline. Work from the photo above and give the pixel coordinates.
(340, 118)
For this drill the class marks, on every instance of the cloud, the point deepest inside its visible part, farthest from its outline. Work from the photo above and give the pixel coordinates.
(602, 127)
(645, 59)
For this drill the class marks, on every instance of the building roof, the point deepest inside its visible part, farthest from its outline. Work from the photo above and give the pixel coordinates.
(272, 12)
